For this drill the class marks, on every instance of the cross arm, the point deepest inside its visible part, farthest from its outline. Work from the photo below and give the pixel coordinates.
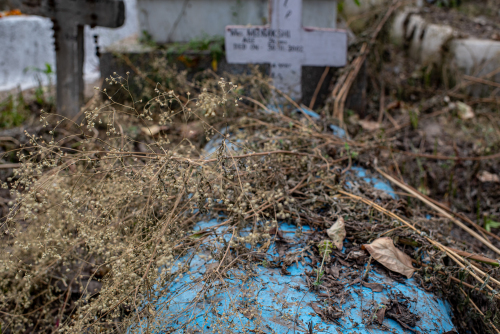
(324, 47)
(248, 45)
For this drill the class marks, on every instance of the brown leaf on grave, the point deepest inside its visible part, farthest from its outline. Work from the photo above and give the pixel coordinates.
(265, 246)
(337, 233)
(369, 125)
(284, 271)
(153, 129)
(381, 314)
(335, 271)
(344, 263)
(464, 111)
(72, 168)
(317, 309)
(354, 255)
(376, 287)
(485, 176)
(100, 271)
(393, 105)
(384, 251)
(357, 280)
(275, 231)
(189, 61)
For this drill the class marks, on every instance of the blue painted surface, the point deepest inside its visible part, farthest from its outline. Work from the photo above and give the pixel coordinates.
(273, 302)
(378, 184)
(338, 131)
(308, 112)
(281, 303)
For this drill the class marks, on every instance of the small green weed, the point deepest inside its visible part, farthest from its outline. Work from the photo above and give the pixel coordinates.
(13, 111)
(490, 223)
(324, 247)
(147, 39)
(214, 44)
(414, 119)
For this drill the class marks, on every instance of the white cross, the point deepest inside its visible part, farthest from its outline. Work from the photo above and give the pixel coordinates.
(286, 45)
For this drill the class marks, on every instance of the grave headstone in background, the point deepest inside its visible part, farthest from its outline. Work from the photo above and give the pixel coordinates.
(194, 18)
(69, 18)
(187, 20)
(286, 45)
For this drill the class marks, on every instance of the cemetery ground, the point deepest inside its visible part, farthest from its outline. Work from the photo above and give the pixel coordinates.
(92, 207)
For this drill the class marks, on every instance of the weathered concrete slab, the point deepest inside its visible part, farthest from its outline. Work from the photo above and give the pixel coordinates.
(440, 45)
(37, 49)
(69, 18)
(18, 59)
(476, 57)
(191, 19)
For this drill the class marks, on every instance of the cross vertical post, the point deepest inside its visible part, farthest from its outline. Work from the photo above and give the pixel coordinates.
(286, 18)
(69, 62)
(69, 18)
(286, 45)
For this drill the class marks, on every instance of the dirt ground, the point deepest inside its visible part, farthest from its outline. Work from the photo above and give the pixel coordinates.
(472, 19)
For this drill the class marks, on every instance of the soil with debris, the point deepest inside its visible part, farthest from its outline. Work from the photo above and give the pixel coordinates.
(467, 25)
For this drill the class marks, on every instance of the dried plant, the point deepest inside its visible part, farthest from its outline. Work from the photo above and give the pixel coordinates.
(103, 225)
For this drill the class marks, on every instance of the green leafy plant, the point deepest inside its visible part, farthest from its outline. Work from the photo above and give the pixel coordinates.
(447, 3)
(325, 247)
(352, 154)
(340, 5)
(490, 223)
(414, 119)
(147, 39)
(40, 93)
(13, 111)
(213, 44)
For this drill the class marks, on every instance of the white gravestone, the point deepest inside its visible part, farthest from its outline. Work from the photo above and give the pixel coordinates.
(69, 18)
(286, 45)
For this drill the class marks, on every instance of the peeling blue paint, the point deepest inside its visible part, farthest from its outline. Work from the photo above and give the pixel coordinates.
(378, 184)
(281, 303)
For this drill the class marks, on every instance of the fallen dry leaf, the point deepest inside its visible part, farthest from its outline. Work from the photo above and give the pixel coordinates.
(381, 314)
(376, 287)
(485, 176)
(369, 125)
(273, 231)
(317, 309)
(384, 251)
(335, 271)
(464, 111)
(354, 255)
(337, 233)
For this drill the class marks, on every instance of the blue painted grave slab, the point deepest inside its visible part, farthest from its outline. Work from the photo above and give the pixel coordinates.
(261, 299)
(273, 302)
